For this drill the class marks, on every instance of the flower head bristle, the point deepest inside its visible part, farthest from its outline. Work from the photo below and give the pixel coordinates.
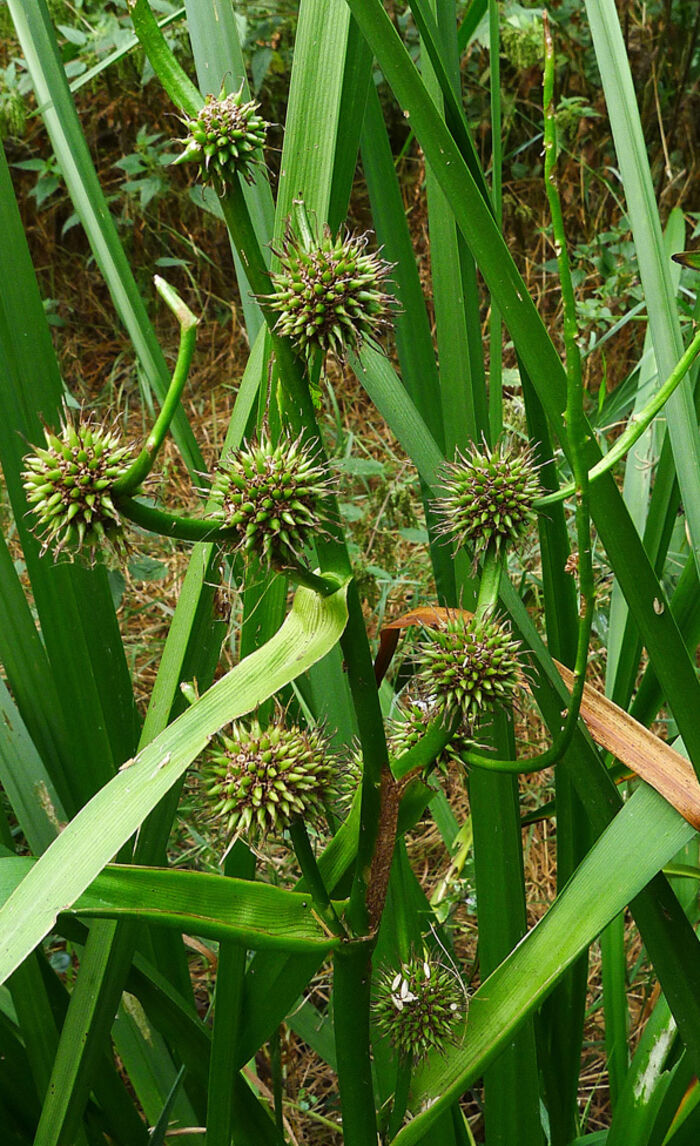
(418, 1007)
(272, 496)
(258, 780)
(68, 482)
(488, 496)
(329, 294)
(225, 139)
(470, 666)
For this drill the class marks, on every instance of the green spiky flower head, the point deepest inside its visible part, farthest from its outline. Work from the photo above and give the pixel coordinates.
(488, 496)
(272, 496)
(407, 729)
(418, 1007)
(225, 139)
(69, 482)
(329, 292)
(470, 666)
(258, 780)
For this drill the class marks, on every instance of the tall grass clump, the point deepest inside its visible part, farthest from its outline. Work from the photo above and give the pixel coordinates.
(309, 759)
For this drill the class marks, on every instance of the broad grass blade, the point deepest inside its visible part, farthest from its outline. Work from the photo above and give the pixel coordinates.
(645, 831)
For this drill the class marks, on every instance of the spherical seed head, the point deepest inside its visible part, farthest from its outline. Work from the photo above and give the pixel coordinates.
(418, 1007)
(329, 296)
(470, 666)
(68, 483)
(258, 780)
(272, 496)
(225, 139)
(488, 496)
(407, 729)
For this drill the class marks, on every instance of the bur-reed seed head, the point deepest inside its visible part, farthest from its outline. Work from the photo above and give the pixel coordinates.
(488, 496)
(259, 780)
(329, 294)
(272, 495)
(68, 482)
(406, 730)
(225, 139)
(469, 666)
(418, 1007)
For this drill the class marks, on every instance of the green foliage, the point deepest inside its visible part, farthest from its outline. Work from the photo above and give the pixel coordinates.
(144, 166)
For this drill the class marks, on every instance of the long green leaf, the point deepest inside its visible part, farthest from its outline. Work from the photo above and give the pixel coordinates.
(113, 815)
(622, 861)
(25, 779)
(256, 915)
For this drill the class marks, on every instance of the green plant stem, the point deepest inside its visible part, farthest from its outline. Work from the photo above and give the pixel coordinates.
(325, 585)
(634, 431)
(142, 466)
(240, 864)
(333, 555)
(300, 409)
(309, 869)
(352, 974)
(177, 84)
(277, 1080)
(182, 528)
(487, 596)
(175, 525)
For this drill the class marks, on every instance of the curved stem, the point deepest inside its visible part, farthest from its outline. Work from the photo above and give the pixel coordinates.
(325, 586)
(182, 528)
(174, 525)
(309, 868)
(635, 429)
(142, 466)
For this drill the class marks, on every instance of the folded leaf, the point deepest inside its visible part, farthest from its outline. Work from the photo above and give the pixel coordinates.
(256, 915)
(113, 815)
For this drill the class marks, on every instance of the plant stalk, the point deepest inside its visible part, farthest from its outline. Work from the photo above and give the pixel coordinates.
(139, 469)
(352, 972)
(314, 880)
